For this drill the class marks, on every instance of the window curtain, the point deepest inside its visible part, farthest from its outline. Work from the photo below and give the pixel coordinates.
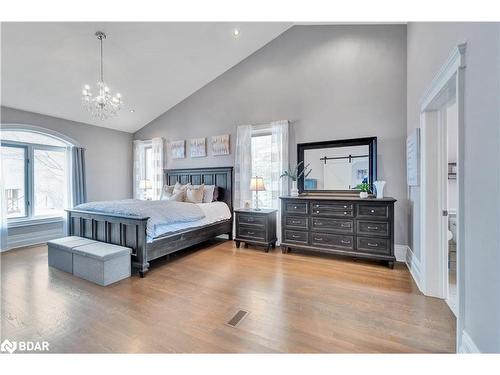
(139, 172)
(243, 166)
(3, 213)
(279, 163)
(78, 177)
(157, 172)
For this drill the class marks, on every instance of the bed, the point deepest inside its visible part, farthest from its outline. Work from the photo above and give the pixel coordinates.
(131, 231)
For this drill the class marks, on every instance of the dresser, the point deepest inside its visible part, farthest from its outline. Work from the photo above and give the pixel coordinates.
(351, 226)
(257, 227)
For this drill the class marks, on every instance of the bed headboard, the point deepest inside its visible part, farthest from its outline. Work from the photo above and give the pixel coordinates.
(221, 177)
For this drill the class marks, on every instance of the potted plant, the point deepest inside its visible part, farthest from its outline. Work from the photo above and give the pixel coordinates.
(364, 188)
(294, 175)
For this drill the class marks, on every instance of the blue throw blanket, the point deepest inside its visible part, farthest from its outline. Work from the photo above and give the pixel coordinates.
(159, 212)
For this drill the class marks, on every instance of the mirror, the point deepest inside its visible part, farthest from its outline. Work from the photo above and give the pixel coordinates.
(338, 166)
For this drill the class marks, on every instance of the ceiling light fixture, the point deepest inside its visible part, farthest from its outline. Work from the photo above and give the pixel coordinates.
(236, 33)
(103, 105)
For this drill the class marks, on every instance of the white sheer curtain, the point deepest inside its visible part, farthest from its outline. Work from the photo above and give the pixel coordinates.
(157, 167)
(139, 167)
(3, 212)
(243, 166)
(279, 162)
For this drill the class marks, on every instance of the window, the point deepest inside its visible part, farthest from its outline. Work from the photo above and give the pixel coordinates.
(35, 168)
(261, 166)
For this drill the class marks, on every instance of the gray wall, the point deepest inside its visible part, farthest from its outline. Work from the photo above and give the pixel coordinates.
(331, 82)
(108, 166)
(429, 45)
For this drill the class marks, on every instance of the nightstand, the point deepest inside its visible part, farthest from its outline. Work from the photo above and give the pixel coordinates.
(256, 227)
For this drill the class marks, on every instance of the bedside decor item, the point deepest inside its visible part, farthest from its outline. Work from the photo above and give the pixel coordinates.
(178, 149)
(379, 187)
(256, 227)
(145, 185)
(294, 175)
(364, 188)
(198, 147)
(257, 184)
(220, 145)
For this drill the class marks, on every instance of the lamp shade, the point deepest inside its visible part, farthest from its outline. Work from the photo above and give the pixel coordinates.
(257, 184)
(144, 184)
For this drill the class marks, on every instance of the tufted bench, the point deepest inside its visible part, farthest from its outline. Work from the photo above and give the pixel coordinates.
(99, 262)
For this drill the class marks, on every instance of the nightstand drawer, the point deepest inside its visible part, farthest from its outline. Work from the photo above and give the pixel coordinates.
(296, 208)
(251, 219)
(296, 222)
(375, 228)
(332, 240)
(247, 231)
(332, 225)
(296, 236)
(373, 210)
(374, 245)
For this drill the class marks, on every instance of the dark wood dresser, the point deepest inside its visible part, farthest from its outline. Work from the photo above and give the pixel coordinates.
(256, 227)
(341, 225)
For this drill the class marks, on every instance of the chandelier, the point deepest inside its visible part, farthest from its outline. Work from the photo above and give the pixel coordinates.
(102, 105)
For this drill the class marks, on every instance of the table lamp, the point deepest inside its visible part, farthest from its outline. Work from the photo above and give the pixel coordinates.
(257, 184)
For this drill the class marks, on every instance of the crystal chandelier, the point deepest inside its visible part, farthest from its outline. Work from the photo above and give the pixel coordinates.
(103, 105)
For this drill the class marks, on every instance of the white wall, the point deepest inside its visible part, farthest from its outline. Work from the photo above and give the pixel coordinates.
(331, 82)
(429, 45)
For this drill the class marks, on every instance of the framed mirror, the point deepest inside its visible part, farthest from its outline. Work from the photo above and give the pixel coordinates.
(337, 166)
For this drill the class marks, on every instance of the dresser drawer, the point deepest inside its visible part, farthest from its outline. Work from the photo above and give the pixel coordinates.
(332, 209)
(332, 240)
(332, 225)
(297, 237)
(373, 210)
(250, 232)
(252, 219)
(375, 228)
(296, 207)
(373, 245)
(297, 222)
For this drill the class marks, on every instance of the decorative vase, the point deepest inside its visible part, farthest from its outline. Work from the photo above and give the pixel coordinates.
(379, 187)
(294, 192)
(363, 194)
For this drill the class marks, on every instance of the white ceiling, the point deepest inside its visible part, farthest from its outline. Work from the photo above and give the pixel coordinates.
(153, 65)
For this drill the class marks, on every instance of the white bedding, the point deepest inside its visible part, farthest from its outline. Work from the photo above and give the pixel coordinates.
(214, 212)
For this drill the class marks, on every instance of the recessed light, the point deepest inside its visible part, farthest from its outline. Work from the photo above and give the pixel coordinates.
(236, 33)
(131, 110)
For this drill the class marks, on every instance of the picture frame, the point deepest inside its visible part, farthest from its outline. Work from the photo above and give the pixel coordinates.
(178, 149)
(198, 147)
(220, 145)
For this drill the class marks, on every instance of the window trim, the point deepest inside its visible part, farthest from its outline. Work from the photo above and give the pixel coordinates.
(29, 183)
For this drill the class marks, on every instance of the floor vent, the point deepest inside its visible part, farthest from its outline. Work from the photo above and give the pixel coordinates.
(237, 318)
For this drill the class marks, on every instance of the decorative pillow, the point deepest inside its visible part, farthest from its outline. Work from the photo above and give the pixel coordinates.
(195, 194)
(166, 192)
(208, 195)
(177, 197)
(179, 187)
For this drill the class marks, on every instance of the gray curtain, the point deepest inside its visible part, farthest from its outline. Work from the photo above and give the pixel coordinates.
(78, 180)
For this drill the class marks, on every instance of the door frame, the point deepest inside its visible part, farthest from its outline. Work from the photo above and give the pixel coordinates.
(446, 86)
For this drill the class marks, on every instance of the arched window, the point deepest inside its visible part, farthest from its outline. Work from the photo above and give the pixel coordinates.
(35, 168)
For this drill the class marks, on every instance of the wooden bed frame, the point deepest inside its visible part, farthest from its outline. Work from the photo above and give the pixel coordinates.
(130, 231)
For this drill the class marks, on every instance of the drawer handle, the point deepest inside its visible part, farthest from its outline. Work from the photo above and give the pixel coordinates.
(318, 239)
(372, 211)
(295, 236)
(345, 225)
(295, 222)
(317, 212)
(251, 233)
(250, 219)
(316, 205)
(345, 212)
(294, 207)
(373, 244)
(318, 223)
(345, 206)
(374, 228)
(346, 242)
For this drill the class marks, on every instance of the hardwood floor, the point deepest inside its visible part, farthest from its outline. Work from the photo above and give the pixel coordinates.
(296, 303)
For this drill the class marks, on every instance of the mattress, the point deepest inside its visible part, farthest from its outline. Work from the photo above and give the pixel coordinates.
(214, 212)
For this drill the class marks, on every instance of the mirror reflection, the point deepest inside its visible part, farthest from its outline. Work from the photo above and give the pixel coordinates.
(337, 168)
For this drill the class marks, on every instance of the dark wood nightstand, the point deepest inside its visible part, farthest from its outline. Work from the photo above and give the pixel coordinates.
(257, 227)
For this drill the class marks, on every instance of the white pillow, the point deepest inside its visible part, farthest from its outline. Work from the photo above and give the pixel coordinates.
(208, 194)
(166, 192)
(180, 196)
(179, 187)
(194, 194)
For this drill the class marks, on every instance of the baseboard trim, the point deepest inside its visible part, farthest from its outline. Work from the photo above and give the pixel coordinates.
(467, 345)
(414, 267)
(28, 239)
(400, 252)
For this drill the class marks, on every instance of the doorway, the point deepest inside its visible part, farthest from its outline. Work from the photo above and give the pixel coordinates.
(442, 199)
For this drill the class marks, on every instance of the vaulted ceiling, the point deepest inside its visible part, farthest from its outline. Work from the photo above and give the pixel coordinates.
(153, 65)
